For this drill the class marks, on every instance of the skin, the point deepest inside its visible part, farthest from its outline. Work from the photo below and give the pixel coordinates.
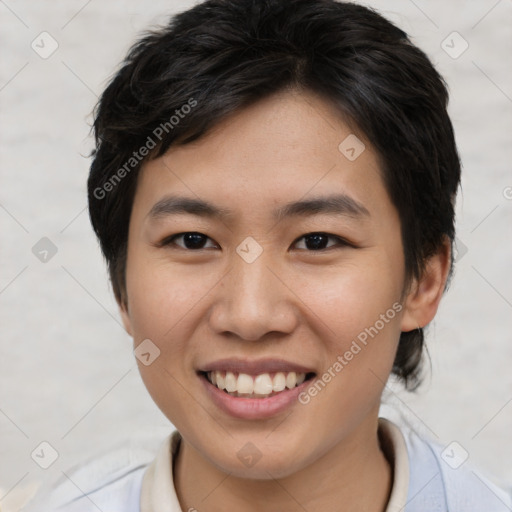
(293, 302)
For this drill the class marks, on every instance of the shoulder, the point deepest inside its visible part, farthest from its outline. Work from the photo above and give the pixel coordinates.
(442, 478)
(109, 482)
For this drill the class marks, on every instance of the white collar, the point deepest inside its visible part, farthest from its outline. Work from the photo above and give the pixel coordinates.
(159, 495)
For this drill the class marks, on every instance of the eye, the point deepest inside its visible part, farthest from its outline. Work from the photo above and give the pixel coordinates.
(317, 241)
(192, 240)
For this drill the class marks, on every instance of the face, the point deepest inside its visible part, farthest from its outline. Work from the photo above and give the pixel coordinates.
(294, 270)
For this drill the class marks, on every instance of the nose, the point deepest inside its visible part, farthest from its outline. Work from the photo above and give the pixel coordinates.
(253, 299)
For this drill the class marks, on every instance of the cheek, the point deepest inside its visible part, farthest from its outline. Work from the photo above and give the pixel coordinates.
(163, 303)
(353, 298)
(361, 311)
(162, 297)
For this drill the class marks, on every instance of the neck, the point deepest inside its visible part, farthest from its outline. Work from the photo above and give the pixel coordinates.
(355, 473)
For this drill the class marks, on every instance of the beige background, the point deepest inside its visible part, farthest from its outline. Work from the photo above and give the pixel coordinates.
(67, 372)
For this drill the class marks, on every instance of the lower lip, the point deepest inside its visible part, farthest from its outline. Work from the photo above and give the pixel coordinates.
(253, 408)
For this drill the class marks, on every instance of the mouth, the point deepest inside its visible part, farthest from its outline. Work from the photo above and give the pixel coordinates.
(254, 389)
(255, 386)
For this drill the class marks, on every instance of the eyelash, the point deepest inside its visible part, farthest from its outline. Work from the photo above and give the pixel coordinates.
(169, 241)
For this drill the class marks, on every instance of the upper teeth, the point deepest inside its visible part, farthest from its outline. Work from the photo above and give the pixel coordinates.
(262, 385)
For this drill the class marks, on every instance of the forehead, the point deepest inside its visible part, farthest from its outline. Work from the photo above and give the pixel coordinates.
(286, 147)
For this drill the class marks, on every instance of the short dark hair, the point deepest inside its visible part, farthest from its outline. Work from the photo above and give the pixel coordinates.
(223, 55)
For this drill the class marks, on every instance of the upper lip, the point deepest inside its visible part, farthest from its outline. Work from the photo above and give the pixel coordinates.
(255, 367)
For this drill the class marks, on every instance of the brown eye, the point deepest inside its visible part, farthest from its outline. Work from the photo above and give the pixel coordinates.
(192, 240)
(319, 241)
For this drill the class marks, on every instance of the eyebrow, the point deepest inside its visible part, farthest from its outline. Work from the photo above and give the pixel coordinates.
(339, 204)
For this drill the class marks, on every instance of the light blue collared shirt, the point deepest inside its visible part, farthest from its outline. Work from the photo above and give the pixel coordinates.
(437, 479)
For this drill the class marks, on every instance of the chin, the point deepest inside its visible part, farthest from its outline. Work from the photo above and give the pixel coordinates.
(254, 458)
(263, 469)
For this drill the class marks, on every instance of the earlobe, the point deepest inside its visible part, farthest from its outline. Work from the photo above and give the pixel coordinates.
(422, 301)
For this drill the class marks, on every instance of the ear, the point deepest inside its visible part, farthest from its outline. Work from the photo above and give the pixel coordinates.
(422, 301)
(125, 314)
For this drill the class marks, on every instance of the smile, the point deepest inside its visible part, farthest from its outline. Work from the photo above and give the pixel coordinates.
(254, 391)
(263, 385)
